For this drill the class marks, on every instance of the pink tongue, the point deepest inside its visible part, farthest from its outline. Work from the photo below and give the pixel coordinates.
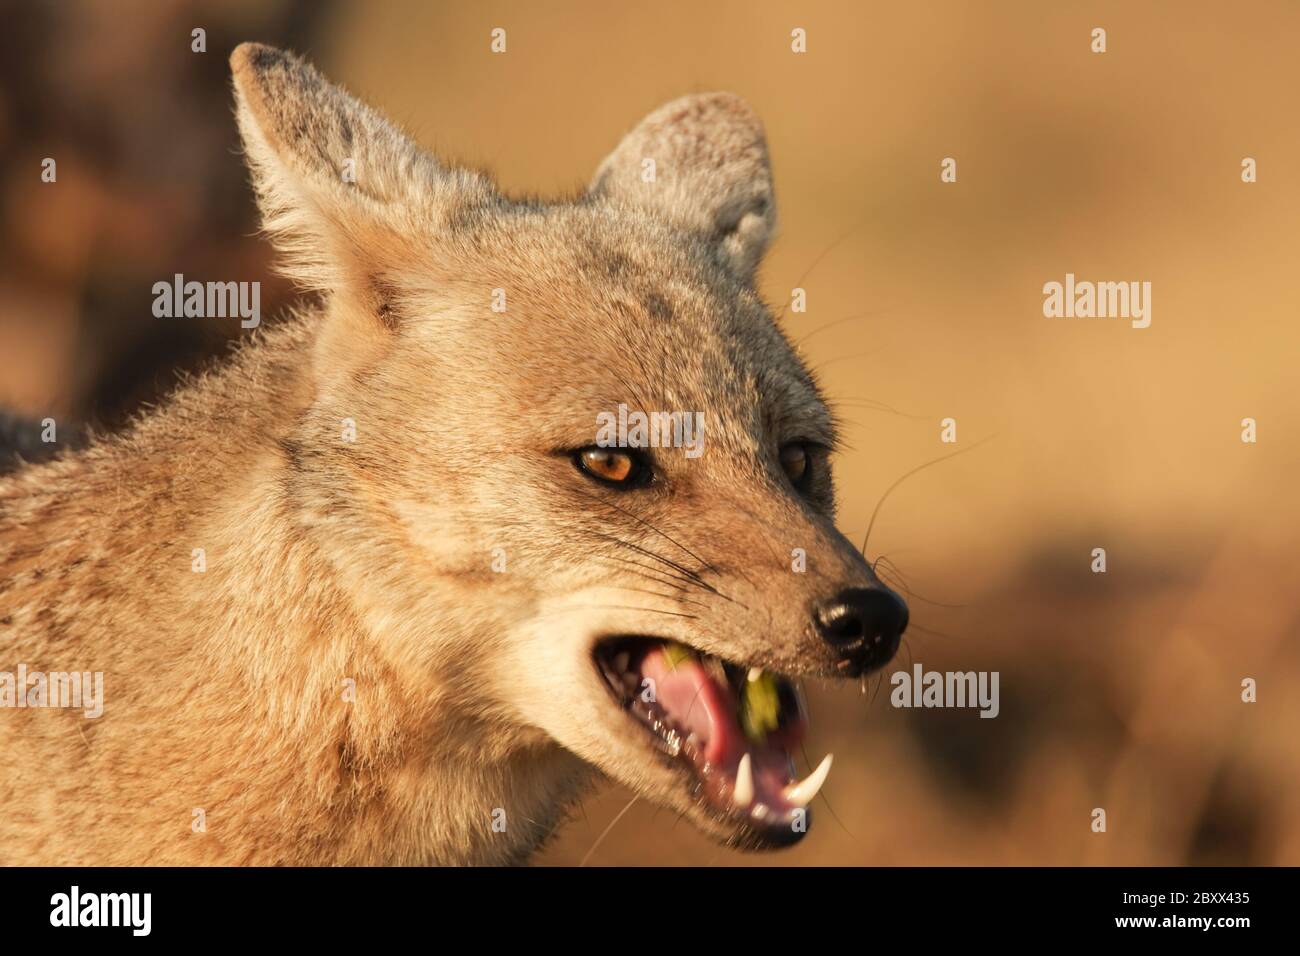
(696, 703)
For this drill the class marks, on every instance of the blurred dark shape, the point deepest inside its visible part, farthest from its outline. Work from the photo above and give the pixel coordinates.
(149, 184)
(21, 442)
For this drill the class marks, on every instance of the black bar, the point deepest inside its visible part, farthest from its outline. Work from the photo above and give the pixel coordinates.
(567, 906)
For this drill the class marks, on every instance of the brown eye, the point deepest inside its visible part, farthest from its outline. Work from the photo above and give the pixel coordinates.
(794, 460)
(612, 466)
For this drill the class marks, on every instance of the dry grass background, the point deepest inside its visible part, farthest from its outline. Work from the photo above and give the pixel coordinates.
(1118, 690)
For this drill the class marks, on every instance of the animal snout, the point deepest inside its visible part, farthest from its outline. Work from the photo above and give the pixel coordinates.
(863, 626)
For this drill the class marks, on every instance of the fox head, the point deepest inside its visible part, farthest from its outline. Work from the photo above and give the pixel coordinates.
(588, 493)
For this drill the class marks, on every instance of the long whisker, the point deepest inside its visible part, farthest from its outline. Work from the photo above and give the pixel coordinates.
(870, 404)
(817, 369)
(830, 325)
(825, 799)
(649, 553)
(933, 633)
(699, 690)
(880, 680)
(684, 573)
(822, 255)
(652, 610)
(903, 582)
(619, 607)
(604, 833)
(668, 597)
(919, 468)
(676, 582)
(643, 521)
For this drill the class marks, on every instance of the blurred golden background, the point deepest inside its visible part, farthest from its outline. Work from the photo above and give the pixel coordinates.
(1119, 690)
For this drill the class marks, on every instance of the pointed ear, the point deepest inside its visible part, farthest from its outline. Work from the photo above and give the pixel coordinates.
(337, 184)
(710, 174)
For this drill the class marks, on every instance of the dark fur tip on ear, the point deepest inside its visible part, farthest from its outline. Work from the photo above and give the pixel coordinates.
(251, 55)
(285, 94)
(250, 63)
(335, 180)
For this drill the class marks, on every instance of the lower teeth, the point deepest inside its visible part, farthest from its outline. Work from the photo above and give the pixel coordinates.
(759, 712)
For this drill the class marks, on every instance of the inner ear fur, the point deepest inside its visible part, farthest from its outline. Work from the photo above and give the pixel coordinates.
(341, 190)
(711, 174)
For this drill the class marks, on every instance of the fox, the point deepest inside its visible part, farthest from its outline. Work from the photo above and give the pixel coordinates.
(370, 591)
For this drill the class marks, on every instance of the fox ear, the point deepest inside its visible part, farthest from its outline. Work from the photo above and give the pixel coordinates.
(336, 183)
(701, 162)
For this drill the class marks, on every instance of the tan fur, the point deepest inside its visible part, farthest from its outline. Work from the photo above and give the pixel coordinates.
(371, 560)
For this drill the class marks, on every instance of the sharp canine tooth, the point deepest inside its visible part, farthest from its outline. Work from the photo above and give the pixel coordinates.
(744, 794)
(755, 673)
(801, 794)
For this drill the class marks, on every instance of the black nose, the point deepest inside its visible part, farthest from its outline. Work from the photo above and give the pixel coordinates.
(863, 625)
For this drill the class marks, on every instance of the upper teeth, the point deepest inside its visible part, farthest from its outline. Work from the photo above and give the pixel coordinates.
(801, 794)
(755, 673)
(744, 794)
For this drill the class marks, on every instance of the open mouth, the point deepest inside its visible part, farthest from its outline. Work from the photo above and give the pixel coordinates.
(732, 729)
